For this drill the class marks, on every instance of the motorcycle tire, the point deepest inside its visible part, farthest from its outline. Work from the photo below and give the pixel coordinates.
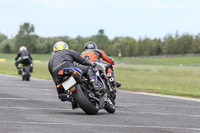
(83, 102)
(110, 107)
(27, 73)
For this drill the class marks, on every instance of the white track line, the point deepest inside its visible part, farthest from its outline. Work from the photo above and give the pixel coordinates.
(165, 96)
(158, 105)
(169, 114)
(98, 125)
(163, 114)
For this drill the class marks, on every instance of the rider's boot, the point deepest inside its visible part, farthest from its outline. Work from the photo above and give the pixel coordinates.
(117, 84)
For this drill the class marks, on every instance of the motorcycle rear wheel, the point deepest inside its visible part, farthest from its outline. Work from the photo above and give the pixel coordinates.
(27, 73)
(83, 102)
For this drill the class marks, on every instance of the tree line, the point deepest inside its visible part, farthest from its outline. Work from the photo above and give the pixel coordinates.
(127, 46)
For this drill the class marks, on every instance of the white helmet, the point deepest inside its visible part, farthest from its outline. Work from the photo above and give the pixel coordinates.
(22, 48)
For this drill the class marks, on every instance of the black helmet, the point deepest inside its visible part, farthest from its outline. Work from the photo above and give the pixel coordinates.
(90, 45)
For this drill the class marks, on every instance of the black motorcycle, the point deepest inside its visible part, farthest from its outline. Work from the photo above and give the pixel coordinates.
(80, 92)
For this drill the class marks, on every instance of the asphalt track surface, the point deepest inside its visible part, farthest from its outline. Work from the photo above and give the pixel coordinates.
(33, 107)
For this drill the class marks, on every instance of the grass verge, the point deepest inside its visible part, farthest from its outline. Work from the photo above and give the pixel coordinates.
(171, 80)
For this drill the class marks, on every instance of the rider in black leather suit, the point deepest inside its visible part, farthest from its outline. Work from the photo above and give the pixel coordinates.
(63, 58)
(25, 58)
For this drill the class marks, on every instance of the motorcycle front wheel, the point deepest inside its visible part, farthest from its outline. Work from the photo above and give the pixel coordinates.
(110, 107)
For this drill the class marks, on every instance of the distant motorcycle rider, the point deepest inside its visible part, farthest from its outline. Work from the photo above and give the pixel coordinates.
(93, 54)
(63, 57)
(25, 58)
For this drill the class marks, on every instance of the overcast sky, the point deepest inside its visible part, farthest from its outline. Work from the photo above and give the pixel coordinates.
(133, 18)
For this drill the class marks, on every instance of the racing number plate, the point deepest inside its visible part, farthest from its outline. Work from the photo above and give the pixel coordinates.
(69, 83)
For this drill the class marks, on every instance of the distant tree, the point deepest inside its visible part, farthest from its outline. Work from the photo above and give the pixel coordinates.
(147, 46)
(26, 37)
(101, 40)
(156, 47)
(138, 51)
(125, 45)
(184, 44)
(101, 32)
(169, 46)
(7, 46)
(2, 37)
(195, 48)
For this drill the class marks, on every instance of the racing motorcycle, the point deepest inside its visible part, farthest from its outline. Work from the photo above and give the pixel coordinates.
(79, 91)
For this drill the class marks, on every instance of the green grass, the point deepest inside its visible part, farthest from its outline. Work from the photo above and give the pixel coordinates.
(172, 80)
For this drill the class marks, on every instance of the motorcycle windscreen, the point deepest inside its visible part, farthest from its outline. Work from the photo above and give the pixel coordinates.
(69, 83)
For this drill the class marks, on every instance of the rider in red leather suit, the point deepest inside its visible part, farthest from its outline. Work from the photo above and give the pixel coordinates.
(93, 54)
